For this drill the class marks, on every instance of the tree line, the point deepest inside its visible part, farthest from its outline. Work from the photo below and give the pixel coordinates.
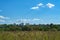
(29, 27)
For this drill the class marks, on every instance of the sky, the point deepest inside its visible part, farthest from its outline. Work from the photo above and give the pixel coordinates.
(30, 11)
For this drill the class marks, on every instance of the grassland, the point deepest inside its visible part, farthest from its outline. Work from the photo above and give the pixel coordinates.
(30, 35)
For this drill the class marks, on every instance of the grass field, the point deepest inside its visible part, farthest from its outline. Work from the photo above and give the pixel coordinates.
(30, 35)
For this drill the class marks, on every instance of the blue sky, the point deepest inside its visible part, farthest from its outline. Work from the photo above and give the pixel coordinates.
(30, 11)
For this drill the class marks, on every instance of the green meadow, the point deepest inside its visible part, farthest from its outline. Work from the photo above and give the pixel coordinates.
(29, 35)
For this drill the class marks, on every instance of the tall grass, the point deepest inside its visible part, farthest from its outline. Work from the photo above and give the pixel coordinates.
(30, 35)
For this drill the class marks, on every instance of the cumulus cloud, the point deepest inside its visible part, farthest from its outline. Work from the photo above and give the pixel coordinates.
(40, 4)
(3, 17)
(35, 8)
(50, 5)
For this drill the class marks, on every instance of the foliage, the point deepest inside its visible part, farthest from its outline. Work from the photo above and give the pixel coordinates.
(29, 27)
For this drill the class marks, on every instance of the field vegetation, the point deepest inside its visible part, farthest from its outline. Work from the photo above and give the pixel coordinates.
(30, 35)
(29, 31)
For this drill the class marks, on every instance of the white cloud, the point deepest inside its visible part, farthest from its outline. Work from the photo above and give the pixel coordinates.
(2, 20)
(37, 7)
(40, 4)
(36, 19)
(3, 17)
(34, 8)
(23, 20)
(27, 20)
(50, 5)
